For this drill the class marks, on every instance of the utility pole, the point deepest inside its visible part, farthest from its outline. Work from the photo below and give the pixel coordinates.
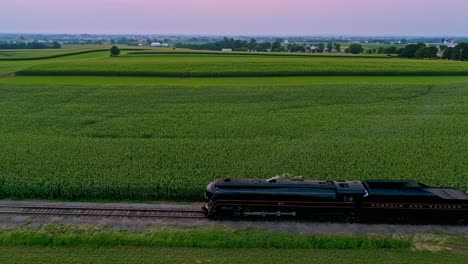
(461, 53)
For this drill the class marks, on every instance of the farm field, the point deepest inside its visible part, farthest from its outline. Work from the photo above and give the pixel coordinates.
(12, 55)
(153, 138)
(7, 54)
(71, 244)
(85, 254)
(194, 65)
(164, 142)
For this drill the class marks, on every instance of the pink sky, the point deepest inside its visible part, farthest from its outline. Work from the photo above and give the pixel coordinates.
(287, 17)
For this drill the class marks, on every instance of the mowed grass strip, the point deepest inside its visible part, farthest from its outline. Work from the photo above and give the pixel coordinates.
(165, 142)
(59, 255)
(245, 66)
(57, 243)
(68, 235)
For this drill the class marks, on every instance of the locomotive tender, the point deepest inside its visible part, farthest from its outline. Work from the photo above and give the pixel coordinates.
(353, 200)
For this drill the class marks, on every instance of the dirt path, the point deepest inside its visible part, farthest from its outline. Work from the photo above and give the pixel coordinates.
(11, 220)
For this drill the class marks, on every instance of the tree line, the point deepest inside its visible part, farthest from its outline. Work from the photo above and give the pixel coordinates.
(276, 46)
(412, 51)
(423, 51)
(30, 45)
(459, 52)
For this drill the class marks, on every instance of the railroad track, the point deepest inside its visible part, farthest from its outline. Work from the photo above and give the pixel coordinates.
(102, 212)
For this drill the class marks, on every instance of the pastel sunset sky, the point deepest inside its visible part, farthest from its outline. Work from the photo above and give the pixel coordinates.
(221, 17)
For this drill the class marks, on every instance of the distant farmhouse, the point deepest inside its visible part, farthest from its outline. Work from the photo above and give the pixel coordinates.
(226, 50)
(159, 45)
(450, 43)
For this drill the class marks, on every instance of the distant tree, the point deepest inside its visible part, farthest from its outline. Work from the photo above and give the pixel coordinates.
(320, 47)
(329, 46)
(391, 50)
(431, 52)
(356, 48)
(115, 51)
(277, 47)
(337, 47)
(460, 52)
(264, 46)
(426, 52)
(56, 45)
(252, 45)
(410, 50)
(448, 53)
(296, 48)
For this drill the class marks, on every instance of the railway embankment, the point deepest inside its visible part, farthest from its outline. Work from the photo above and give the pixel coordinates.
(140, 216)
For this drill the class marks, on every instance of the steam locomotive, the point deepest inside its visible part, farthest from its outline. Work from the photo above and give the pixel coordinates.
(355, 201)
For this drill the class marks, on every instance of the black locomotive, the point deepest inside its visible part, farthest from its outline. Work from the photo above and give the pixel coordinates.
(351, 200)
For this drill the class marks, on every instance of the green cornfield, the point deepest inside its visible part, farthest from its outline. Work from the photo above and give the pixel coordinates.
(124, 138)
(193, 65)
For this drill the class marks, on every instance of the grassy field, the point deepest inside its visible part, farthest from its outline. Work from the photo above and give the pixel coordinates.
(146, 138)
(193, 65)
(7, 54)
(19, 254)
(9, 67)
(66, 235)
(68, 244)
(66, 50)
(34, 54)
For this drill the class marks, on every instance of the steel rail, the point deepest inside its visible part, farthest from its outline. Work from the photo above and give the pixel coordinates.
(100, 211)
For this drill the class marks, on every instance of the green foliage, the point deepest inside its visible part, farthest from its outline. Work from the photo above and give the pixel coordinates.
(460, 52)
(264, 46)
(65, 235)
(146, 255)
(388, 50)
(23, 56)
(252, 54)
(296, 48)
(166, 139)
(356, 48)
(320, 47)
(337, 47)
(30, 45)
(195, 65)
(426, 52)
(234, 44)
(410, 50)
(115, 51)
